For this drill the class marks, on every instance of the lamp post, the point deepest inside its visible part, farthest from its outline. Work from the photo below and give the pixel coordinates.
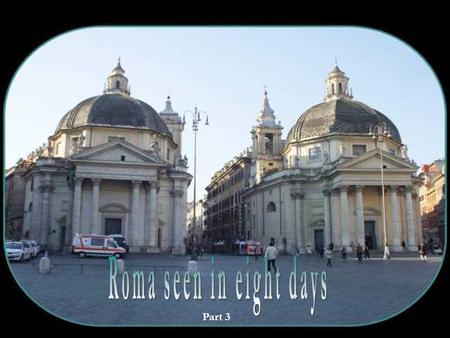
(378, 133)
(196, 118)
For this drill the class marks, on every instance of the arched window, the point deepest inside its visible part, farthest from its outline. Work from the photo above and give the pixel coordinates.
(332, 88)
(271, 207)
(117, 84)
(340, 88)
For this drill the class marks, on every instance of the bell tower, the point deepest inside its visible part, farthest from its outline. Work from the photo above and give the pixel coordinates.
(266, 143)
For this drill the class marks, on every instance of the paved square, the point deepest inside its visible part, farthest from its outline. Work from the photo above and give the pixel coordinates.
(78, 290)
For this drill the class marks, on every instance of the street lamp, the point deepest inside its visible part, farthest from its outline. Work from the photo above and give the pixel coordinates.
(378, 133)
(196, 118)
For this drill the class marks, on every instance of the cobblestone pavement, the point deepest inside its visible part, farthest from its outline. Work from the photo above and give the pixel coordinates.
(78, 289)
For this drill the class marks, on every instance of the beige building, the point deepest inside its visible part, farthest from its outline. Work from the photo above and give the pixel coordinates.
(432, 201)
(322, 184)
(195, 227)
(113, 165)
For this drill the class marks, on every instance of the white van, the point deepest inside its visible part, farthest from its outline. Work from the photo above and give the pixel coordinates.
(96, 245)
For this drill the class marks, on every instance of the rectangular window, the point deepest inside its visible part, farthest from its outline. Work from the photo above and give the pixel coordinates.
(392, 151)
(32, 184)
(315, 153)
(112, 138)
(122, 158)
(97, 241)
(358, 149)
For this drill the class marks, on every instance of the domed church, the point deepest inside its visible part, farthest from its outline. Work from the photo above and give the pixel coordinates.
(113, 166)
(323, 183)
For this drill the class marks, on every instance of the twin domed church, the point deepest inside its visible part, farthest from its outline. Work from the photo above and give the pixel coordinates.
(323, 183)
(115, 165)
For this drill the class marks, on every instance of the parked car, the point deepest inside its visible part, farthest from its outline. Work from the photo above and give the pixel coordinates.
(436, 250)
(121, 241)
(96, 245)
(18, 251)
(33, 247)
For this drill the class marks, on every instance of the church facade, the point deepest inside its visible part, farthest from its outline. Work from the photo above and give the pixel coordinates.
(113, 165)
(324, 183)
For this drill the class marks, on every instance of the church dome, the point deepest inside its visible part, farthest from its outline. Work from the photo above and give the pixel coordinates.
(115, 108)
(339, 114)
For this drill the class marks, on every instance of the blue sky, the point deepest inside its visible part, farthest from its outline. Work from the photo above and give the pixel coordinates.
(223, 71)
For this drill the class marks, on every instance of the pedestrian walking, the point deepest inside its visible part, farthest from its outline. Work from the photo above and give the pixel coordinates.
(308, 249)
(387, 254)
(366, 253)
(257, 251)
(321, 252)
(331, 246)
(423, 253)
(359, 252)
(271, 255)
(328, 255)
(344, 253)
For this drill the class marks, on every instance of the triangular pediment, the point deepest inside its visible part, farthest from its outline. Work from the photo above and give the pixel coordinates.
(371, 160)
(117, 151)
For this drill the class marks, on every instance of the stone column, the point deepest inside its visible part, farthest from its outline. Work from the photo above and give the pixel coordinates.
(412, 245)
(134, 229)
(395, 219)
(95, 224)
(76, 214)
(335, 219)
(361, 235)
(177, 224)
(151, 229)
(327, 217)
(35, 219)
(345, 234)
(299, 240)
(45, 188)
(418, 219)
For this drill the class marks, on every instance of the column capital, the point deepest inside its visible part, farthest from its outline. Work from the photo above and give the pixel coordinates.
(409, 189)
(393, 188)
(46, 187)
(297, 195)
(96, 181)
(326, 192)
(359, 187)
(153, 184)
(79, 180)
(177, 193)
(136, 182)
(343, 188)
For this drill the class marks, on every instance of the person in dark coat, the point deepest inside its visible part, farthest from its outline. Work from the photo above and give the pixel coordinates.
(366, 253)
(344, 253)
(359, 252)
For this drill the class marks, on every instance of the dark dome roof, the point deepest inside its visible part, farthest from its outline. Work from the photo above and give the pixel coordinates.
(341, 116)
(113, 110)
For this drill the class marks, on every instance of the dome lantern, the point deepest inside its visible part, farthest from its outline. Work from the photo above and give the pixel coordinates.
(117, 82)
(337, 85)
